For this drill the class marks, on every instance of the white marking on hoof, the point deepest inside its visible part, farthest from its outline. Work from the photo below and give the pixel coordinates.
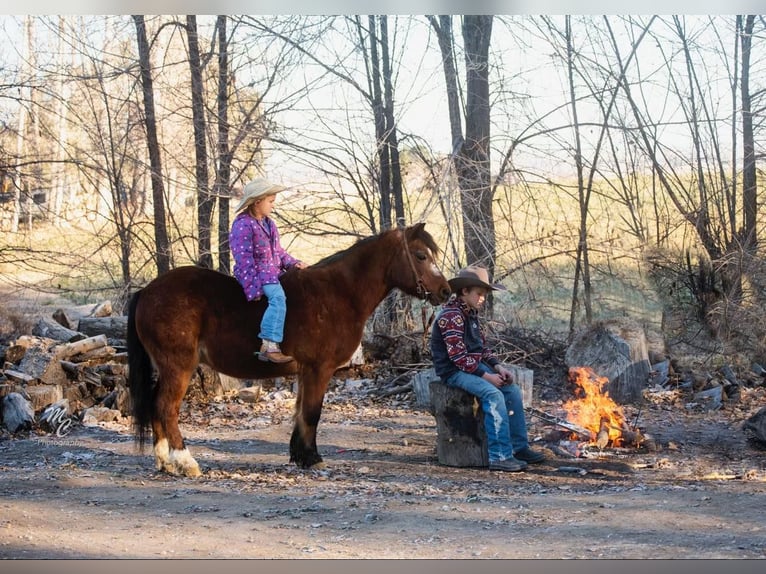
(184, 463)
(162, 455)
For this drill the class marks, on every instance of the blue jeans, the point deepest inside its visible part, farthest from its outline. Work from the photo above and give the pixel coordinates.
(273, 322)
(506, 433)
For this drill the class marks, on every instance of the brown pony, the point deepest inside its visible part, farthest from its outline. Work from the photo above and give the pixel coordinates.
(191, 315)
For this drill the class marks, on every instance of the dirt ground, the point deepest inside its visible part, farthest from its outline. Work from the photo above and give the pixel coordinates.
(90, 494)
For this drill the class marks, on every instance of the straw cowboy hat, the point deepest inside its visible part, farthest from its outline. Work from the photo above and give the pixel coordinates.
(472, 276)
(259, 187)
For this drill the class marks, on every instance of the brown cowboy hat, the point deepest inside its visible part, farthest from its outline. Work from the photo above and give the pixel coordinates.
(472, 276)
(259, 187)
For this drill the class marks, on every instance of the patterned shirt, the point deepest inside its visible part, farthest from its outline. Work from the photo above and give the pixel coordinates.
(259, 259)
(458, 343)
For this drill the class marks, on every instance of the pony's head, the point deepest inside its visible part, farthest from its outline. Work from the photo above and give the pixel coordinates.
(421, 276)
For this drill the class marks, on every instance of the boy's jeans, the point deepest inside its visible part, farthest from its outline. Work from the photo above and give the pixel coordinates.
(273, 322)
(499, 425)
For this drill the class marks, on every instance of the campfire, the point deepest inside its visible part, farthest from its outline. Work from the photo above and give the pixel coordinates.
(594, 410)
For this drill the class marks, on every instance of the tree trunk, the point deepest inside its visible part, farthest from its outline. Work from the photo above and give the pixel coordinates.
(582, 266)
(473, 161)
(392, 139)
(162, 243)
(461, 439)
(224, 154)
(204, 200)
(749, 190)
(384, 164)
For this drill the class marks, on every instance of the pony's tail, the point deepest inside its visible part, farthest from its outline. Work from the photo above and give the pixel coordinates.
(139, 377)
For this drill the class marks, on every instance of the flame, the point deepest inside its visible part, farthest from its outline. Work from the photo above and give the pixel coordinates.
(592, 408)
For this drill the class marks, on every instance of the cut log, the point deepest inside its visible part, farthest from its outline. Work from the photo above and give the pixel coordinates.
(42, 363)
(461, 439)
(615, 350)
(421, 385)
(15, 353)
(17, 413)
(53, 330)
(40, 396)
(112, 327)
(19, 377)
(60, 316)
(8, 388)
(71, 349)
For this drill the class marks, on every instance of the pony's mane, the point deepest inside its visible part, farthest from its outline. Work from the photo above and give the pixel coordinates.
(421, 234)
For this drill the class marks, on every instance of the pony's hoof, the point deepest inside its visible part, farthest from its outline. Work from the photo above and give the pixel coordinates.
(193, 472)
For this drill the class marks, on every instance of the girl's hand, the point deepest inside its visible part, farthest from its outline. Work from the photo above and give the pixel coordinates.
(300, 265)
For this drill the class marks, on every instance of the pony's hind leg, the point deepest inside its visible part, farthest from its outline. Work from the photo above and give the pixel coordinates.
(170, 452)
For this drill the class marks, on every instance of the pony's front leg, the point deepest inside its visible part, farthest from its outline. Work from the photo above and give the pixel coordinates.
(308, 409)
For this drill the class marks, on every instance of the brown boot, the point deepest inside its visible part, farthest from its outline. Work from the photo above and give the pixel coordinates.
(270, 351)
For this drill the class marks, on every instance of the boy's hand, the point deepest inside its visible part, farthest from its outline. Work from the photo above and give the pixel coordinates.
(505, 375)
(494, 378)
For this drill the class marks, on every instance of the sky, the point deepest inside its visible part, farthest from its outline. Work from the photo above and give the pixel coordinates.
(421, 104)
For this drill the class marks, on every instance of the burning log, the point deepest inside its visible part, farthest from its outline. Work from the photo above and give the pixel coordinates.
(593, 408)
(602, 438)
(570, 426)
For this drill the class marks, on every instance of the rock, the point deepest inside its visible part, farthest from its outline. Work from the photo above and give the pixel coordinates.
(95, 415)
(17, 413)
(250, 394)
(755, 426)
(617, 350)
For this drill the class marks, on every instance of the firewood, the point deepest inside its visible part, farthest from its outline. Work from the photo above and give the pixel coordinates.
(70, 369)
(53, 330)
(41, 396)
(602, 438)
(93, 356)
(19, 377)
(396, 390)
(112, 327)
(60, 316)
(15, 353)
(78, 347)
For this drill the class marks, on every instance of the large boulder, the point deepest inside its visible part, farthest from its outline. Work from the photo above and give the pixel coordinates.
(615, 349)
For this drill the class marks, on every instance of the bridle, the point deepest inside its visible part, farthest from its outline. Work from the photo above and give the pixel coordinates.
(422, 292)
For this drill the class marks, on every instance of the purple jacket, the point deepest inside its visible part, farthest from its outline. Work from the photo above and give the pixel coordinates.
(258, 257)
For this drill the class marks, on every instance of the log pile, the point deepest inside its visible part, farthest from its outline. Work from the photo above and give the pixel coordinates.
(76, 370)
(62, 372)
(79, 373)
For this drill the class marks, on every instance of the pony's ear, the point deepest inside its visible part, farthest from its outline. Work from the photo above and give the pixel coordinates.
(415, 230)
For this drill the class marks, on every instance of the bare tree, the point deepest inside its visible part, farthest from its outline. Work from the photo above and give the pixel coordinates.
(472, 162)
(204, 199)
(162, 243)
